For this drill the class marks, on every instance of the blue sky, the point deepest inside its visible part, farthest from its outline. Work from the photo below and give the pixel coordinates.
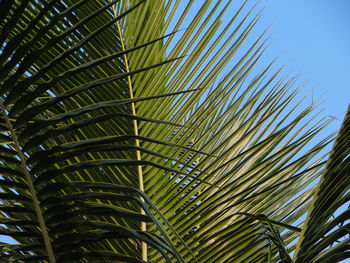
(315, 35)
(313, 38)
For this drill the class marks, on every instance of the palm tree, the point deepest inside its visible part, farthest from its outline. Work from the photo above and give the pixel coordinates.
(125, 138)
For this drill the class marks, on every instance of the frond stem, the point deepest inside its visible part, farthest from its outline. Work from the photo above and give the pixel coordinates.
(29, 180)
(136, 132)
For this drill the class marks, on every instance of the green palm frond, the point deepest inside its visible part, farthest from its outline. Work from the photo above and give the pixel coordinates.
(127, 138)
(326, 234)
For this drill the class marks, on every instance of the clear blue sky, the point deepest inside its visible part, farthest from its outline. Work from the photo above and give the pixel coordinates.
(316, 36)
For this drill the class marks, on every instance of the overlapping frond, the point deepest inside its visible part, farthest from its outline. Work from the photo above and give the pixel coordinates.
(326, 234)
(69, 188)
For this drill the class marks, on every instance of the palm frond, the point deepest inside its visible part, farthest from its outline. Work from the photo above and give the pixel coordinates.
(325, 236)
(115, 117)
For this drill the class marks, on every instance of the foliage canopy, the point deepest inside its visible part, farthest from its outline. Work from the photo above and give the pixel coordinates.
(125, 138)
